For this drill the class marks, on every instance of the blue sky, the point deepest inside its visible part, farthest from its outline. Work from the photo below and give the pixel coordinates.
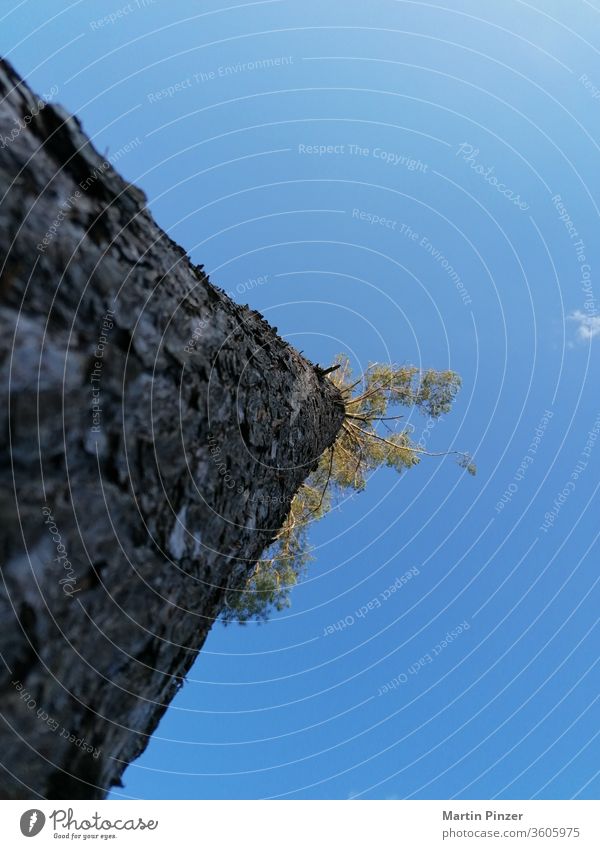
(265, 135)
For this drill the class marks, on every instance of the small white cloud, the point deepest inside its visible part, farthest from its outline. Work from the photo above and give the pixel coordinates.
(588, 325)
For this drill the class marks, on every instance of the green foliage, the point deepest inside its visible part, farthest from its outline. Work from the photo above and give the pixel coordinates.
(365, 442)
(466, 462)
(269, 585)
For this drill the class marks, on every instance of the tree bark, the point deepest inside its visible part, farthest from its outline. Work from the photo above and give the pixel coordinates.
(144, 413)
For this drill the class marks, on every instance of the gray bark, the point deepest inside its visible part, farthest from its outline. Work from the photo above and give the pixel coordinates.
(125, 516)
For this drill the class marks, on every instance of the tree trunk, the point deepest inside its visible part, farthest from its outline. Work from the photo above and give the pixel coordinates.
(143, 413)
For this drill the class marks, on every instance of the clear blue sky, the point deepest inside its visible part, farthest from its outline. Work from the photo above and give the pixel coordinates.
(509, 706)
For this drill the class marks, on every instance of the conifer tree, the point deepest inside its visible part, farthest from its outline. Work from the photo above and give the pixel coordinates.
(365, 442)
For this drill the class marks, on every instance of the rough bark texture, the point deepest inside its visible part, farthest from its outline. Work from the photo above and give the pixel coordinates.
(125, 515)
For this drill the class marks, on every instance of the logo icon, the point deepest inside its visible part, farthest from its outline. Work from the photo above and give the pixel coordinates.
(32, 822)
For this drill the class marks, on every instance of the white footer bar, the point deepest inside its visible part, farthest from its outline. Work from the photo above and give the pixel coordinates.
(304, 824)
